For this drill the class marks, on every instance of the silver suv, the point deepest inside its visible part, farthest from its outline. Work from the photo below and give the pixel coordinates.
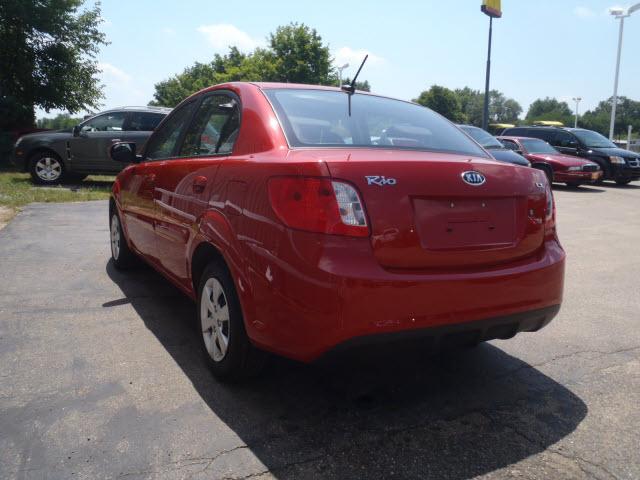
(70, 155)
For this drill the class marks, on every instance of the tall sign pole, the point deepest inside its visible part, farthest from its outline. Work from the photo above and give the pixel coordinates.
(493, 9)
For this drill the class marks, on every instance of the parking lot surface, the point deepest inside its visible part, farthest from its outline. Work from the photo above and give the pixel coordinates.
(101, 377)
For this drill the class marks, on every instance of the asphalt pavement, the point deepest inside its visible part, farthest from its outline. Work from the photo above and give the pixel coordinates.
(100, 375)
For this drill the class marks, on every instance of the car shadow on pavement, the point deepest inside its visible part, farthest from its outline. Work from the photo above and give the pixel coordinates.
(398, 414)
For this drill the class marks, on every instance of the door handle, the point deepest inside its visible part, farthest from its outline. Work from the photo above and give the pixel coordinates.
(199, 184)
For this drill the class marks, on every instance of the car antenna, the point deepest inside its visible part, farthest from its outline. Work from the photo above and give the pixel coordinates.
(351, 88)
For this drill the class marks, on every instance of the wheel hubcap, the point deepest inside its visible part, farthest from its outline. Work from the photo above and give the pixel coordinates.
(115, 237)
(214, 319)
(48, 169)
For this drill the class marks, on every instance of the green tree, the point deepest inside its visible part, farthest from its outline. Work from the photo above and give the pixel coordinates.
(299, 56)
(501, 108)
(443, 101)
(47, 58)
(550, 109)
(598, 119)
(59, 122)
(295, 54)
(360, 85)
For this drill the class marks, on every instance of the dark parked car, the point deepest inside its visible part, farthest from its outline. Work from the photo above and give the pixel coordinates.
(573, 171)
(63, 155)
(493, 145)
(617, 164)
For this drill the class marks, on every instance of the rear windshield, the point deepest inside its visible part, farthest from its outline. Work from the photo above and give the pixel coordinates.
(483, 138)
(320, 118)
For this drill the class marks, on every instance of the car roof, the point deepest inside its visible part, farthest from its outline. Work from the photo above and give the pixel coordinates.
(517, 137)
(148, 108)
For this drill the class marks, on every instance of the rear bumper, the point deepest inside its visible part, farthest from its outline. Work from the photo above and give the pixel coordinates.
(309, 304)
(457, 334)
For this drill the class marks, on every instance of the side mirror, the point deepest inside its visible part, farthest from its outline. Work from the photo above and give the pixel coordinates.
(76, 131)
(124, 152)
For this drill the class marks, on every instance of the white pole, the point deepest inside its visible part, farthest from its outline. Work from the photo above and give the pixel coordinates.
(629, 137)
(615, 84)
(577, 100)
(340, 69)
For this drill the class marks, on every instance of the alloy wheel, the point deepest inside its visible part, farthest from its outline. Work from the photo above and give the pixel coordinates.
(115, 237)
(48, 169)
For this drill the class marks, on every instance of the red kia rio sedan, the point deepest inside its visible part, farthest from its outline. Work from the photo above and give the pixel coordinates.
(304, 219)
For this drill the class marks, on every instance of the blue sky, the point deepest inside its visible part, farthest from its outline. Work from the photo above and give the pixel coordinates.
(560, 48)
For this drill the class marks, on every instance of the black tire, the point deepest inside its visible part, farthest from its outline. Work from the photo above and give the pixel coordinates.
(240, 359)
(623, 181)
(548, 172)
(46, 168)
(573, 184)
(121, 255)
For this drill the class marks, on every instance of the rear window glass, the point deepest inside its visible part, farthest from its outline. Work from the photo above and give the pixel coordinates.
(320, 118)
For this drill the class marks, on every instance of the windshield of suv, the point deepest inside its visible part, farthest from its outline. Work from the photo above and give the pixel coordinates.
(593, 139)
(320, 118)
(533, 145)
(483, 138)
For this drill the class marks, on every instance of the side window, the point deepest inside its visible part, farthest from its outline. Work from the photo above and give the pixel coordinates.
(214, 128)
(564, 139)
(163, 142)
(143, 121)
(510, 144)
(107, 122)
(546, 135)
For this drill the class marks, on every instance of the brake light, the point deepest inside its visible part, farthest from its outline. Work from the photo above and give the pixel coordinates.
(318, 205)
(549, 213)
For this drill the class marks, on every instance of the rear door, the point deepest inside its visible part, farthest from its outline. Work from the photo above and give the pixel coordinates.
(139, 194)
(188, 182)
(139, 126)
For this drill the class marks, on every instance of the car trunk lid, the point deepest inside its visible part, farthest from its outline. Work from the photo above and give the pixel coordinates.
(422, 213)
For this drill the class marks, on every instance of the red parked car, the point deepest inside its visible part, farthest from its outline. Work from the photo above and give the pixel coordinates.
(560, 168)
(305, 218)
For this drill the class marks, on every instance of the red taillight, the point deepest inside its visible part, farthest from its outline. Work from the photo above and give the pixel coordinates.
(318, 205)
(549, 213)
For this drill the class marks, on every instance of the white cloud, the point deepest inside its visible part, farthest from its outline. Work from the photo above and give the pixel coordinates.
(221, 36)
(168, 31)
(584, 12)
(354, 58)
(111, 72)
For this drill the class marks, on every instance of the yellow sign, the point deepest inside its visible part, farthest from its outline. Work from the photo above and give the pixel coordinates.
(493, 8)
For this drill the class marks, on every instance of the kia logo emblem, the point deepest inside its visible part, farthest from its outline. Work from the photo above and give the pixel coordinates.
(473, 178)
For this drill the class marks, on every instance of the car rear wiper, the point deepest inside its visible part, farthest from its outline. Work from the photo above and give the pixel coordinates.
(351, 88)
